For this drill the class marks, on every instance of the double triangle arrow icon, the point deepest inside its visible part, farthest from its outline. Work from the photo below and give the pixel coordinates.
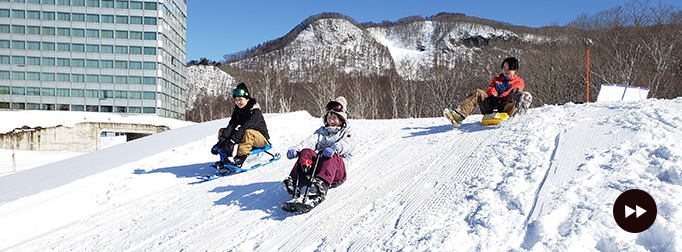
(638, 211)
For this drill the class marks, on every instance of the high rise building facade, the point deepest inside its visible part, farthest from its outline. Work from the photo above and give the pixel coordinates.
(120, 56)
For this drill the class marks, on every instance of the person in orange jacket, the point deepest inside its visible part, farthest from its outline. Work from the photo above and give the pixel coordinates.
(503, 95)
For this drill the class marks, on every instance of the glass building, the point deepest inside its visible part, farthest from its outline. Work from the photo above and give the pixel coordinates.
(121, 56)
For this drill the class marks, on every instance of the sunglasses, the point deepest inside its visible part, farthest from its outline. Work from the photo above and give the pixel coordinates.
(335, 106)
(239, 93)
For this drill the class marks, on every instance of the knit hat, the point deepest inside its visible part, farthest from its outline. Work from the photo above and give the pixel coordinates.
(337, 106)
(241, 91)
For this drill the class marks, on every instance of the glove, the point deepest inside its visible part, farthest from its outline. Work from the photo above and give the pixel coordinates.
(328, 152)
(292, 153)
(495, 101)
(214, 149)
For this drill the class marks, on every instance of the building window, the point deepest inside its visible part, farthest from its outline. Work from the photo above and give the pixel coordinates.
(78, 2)
(32, 91)
(48, 15)
(149, 50)
(63, 77)
(18, 29)
(4, 13)
(33, 61)
(107, 34)
(149, 35)
(91, 78)
(78, 17)
(107, 94)
(121, 79)
(49, 31)
(135, 110)
(78, 32)
(33, 30)
(63, 16)
(34, 76)
(77, 93)
(47, 92)
(136, 5)
(150, 20)
(121, 4)
(5, 44)
(109, 19)
(80, 78)
(64, 2)
(122, 34)
(107, 3)
(106, 79)
(18, 75)
(33, 14)
(148, 110)
(117, 94)
(77, 63)
(122, 19)
(92, 48)
(121, 50)
(107, 49)
(32, 45)
(121, 64)
(150, 6)
(4, 28)
(77, 108)
(149, 65)
(47, 2)
(135, 20)
(18, 91)
(18, 14)
(92, 108)
(91, 93)
(135, 95)
(134, 80)
(93, 3)
(48, 46)
(63, 32)
(18, 60)
(77, 47)
(48, 61)
(63, 62)
(107, 64)
(92, 63)
(135, 35)
(63, 92)
(4, 75)
(149, 80)
(48, 77)
(135, 65)
(4, 90)
(93, 18)
(18, 44)
(63, 47)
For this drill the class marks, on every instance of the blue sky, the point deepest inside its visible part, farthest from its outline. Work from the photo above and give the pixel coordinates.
(219, 27)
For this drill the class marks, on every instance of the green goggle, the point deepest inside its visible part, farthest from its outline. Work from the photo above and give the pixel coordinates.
(239, 93)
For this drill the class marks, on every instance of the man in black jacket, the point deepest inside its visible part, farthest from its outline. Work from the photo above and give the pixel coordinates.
(246, 129)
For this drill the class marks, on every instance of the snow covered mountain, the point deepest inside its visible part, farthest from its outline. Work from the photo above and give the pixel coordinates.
(337, 41)
(206, 80)
(545, 181)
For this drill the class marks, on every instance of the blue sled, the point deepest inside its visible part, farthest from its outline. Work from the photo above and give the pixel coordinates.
(235, 169)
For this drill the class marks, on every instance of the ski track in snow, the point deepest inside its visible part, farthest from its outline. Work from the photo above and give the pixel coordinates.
(543, 181)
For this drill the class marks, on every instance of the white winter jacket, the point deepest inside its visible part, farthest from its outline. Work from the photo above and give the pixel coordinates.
(336, 137)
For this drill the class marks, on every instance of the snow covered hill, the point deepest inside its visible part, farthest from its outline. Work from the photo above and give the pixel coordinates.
(545, 181)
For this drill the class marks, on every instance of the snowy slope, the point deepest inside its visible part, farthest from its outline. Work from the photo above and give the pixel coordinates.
(545, 181)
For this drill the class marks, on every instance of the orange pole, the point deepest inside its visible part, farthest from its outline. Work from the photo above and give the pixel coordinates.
(588, 75)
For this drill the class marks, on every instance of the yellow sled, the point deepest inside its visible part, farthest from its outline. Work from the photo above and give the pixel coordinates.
(494, 118)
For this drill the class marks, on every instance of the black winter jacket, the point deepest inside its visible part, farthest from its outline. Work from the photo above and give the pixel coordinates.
(249, 117)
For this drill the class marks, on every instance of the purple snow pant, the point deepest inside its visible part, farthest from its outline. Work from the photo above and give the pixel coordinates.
(330, 169)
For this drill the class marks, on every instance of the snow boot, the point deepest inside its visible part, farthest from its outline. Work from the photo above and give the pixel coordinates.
(318, 190)
(221, 168)
(290, 187)
(454, 116)
(239, 160)
(523, 104)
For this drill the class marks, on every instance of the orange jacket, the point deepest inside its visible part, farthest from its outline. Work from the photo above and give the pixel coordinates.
(501, 87)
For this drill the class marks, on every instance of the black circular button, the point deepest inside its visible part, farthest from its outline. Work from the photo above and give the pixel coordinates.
(634, 211)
